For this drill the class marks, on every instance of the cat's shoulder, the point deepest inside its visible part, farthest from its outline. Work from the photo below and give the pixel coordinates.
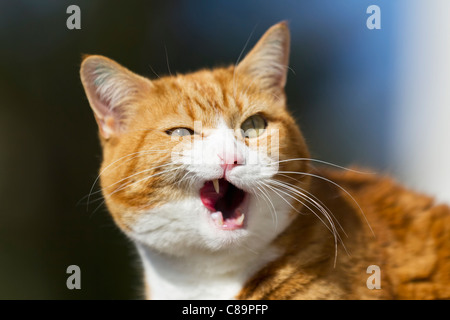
(387, 201)
(411, 229)
(387, 195)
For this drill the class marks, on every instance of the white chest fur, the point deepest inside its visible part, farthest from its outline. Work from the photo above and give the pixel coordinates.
(201, 276)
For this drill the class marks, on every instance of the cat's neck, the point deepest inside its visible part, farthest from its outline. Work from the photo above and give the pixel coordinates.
(201, 275)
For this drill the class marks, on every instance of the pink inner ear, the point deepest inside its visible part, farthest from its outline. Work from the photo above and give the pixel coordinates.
(104, 115)
(112, 91)
(106, 126)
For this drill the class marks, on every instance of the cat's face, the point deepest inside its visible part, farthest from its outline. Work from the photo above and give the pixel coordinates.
(189, 160)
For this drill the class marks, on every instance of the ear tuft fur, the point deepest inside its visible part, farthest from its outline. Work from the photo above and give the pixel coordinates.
(269, 58)
(111, 90)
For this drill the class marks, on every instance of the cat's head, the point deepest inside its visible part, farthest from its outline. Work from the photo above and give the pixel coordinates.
(191, 162)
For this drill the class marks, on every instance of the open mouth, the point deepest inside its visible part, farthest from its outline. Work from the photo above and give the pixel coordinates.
(226, 203)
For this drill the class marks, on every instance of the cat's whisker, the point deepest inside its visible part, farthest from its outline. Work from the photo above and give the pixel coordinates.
(259, 198)
(238, 59)
(332, 229)
(337, 185)
(274, 190)
(185, 177)
(167, 60)
(311, 196)
(139, 153)
(323, 162)
(122, 187)
(326, 213)
(273, 210)
(154, 72)
(139, 173)
(148, 177)
(81, 202)
(303, 204)
(128, 177)
(286, 176)
(258, 193)
(266, 197)
(291, 69)
(88, 197)
(111, 164)
(190, 178)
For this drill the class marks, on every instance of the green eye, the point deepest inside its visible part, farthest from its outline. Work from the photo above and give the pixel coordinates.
(254, 126)
(180, 132)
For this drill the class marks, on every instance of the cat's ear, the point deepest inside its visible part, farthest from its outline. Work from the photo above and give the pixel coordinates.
(269, 58)
(112, 91)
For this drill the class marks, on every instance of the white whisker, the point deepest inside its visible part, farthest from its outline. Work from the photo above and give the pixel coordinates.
(309, 194)
(238, 59)
(337, 185)
(135, 154)
(124, 186)
(323, 162)
(273, 211)
(326, 213)
(138, 173)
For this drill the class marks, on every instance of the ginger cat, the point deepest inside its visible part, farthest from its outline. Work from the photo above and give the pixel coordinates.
(209, 175)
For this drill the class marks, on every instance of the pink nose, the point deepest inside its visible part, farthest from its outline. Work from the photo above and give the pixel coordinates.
(230, 162)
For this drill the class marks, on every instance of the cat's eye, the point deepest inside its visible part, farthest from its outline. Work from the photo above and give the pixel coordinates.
(254, 126)
(180, 132)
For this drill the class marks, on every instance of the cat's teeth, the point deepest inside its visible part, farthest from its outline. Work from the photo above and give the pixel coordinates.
(217, 217)
(216, 185)
(240, 220)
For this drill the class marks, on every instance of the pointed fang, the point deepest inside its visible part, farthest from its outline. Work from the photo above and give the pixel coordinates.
(216, 185)
(240, 220)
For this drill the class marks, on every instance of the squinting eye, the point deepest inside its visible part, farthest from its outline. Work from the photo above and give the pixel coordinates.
(254, 126)
(180, 132)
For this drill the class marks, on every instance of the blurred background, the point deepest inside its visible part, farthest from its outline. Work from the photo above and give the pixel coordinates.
(377, 98)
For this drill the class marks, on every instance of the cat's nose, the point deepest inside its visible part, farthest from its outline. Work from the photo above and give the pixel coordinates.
(231, 161)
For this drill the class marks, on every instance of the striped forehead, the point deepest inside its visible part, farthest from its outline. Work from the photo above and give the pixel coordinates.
(205, 96)
(209, 97)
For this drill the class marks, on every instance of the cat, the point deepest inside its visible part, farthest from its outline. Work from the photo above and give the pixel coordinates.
(209, 175)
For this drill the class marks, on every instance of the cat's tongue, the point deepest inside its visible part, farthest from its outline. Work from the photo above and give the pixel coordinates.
(225, 202)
